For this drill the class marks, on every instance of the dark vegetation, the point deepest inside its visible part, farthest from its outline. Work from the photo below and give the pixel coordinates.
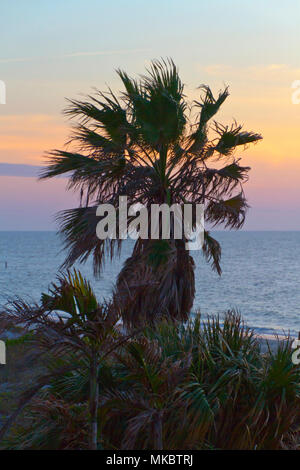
(88, 385)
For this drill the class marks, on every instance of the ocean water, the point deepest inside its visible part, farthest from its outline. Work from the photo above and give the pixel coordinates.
(261, 275)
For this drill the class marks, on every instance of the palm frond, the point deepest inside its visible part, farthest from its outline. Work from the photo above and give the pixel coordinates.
(78, 226)
(212, 251)
(106, 115)
(209, 107)
(230, 212)
(231, 137)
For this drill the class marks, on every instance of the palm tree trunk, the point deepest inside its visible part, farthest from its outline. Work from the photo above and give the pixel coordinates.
(144, 291)
(157, 432)
(94, 396)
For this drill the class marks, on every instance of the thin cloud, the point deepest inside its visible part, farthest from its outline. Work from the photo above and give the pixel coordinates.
(23, 170)
(114, 52)
(259, 71)
(16, 59)
(75, 54)
(15, 169)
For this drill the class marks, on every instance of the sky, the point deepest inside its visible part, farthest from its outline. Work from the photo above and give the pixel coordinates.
(53, 50)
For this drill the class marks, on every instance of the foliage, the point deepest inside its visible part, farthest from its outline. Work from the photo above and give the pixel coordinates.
(153, 146)
(202, 385)
(68, 323)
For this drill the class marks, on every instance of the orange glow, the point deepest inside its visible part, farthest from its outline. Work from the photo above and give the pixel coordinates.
(275, 161)
(25, 138)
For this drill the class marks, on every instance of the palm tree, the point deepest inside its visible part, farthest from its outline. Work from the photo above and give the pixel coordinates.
(152, 146)
(74, 331)
(147, 395)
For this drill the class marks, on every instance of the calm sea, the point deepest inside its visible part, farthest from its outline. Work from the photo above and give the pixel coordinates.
(261, 274)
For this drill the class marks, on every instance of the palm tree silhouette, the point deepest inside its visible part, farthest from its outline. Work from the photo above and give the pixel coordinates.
(70, 323)
(152, 146)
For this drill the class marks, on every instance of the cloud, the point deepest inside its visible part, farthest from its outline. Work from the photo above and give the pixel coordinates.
(16, 59)
(75, 54)
(23, 170)
(216, 69)
(114, 52)
(275, 72)
(276, 66)
(14, 169)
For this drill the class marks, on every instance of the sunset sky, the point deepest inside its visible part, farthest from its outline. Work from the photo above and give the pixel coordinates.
(53, 50)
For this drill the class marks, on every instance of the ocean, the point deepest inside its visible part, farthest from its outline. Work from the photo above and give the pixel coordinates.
(261, 275)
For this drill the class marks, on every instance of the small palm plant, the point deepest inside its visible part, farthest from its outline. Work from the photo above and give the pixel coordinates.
(147, 146)
(206, 386)
(73, 331)
(146, 396)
